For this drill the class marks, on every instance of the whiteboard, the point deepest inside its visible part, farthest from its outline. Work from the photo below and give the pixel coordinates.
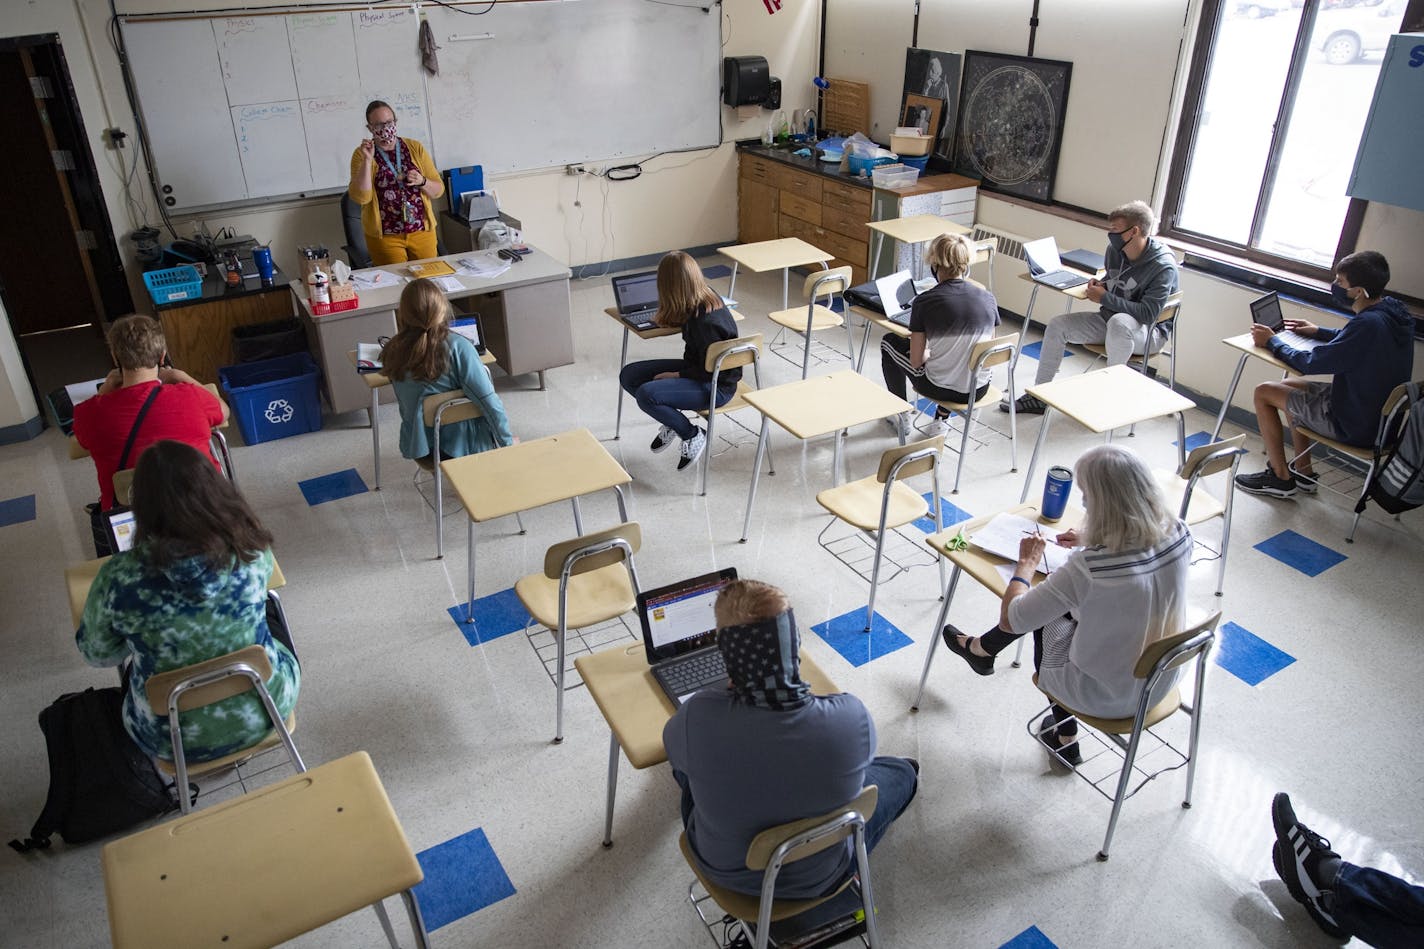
(262, 107)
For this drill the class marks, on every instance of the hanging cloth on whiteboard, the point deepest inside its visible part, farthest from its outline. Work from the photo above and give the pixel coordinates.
(428, 48)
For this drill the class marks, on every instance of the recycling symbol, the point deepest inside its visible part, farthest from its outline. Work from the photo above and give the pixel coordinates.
(279, 411)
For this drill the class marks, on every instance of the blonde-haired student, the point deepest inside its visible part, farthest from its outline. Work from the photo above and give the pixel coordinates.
(665, 388)
(425, 358)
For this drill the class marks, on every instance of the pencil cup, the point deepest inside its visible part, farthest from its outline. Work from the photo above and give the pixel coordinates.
(1055, 492)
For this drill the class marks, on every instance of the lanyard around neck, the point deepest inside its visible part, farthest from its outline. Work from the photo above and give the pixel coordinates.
(396, 168)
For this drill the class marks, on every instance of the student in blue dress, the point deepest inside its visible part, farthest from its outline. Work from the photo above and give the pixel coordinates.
(425, 358)
(666, 388)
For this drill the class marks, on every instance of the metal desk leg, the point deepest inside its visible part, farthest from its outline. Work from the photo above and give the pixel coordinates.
(622, 503)
(836, 462)
(732, 284)
(578, 517)
(1230, 394)
(934, 635)
(543, 386)
(375, 412)
(417, 921)
(622, 364)
(756, 475)
(470, 568)
(612, 789)
(1181, 440)
(785, 287)
(1037, 447)
(879, 246)
(1023, 330)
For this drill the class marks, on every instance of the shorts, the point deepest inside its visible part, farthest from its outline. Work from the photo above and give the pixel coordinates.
(1310, 407)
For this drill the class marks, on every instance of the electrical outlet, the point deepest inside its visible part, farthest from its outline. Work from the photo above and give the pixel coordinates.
(114, 138)
(572, 170)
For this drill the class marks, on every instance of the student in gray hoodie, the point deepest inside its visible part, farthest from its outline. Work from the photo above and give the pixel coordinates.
(1370, 355)
(1141, 276)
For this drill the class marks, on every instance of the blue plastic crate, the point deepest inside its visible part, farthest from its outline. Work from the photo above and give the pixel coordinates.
(274, 398)
(174, 283)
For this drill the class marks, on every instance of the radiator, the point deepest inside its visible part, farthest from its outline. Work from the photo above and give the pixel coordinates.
(1010, 245)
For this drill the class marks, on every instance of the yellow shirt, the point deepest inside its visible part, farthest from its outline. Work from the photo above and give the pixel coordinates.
(370, 207)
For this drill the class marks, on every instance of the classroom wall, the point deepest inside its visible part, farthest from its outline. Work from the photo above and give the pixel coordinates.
(17, 402)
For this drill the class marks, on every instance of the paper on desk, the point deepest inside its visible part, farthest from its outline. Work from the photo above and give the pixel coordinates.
(449, 284)
(373, 279)
(483, 265)
(79, 391)
(1002, 534)
(368, 357)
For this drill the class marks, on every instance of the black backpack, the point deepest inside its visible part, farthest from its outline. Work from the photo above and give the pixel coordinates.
(1398, 481)
(99, 780)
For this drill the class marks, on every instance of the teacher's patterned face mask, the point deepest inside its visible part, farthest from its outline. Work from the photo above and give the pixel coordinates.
(385, 132)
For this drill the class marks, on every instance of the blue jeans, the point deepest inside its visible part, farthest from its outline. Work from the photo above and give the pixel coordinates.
(1383, 910)
(666, 399)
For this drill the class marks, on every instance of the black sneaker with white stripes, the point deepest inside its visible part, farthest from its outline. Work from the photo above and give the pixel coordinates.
(1306, 864)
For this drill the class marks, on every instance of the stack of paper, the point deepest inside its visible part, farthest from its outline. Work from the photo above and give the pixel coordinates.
(1002, 534)
(374, 279)
(484, 265)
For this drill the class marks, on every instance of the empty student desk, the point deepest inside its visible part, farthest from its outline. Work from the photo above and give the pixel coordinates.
(910, 230)
(782, 254)
(636, 709)
(1107, 399)
(1248, 348)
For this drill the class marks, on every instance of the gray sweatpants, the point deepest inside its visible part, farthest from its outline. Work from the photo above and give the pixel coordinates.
(1121, 334)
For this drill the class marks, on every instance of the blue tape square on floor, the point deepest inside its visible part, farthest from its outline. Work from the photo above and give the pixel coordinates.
(17, 510)
(496, 615)
(1032, 350)
(332, 487)
(716, 271)
(1247, 656)
(1300, 552)
(462, 876)
(1030, 938)
(948, 514)
(846, 635)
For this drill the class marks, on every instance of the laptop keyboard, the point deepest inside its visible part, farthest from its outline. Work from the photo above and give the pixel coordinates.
(694, 672)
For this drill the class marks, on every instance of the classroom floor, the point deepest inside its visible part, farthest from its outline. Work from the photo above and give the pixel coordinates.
(997, 849)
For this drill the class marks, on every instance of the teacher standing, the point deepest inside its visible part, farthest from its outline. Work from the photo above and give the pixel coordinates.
(393, 179)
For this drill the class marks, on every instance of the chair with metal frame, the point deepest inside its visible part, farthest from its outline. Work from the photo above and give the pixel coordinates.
(730, 354)
(1155, 662)
(983, 252)
(1197, 507)
(777, 846)
(883, 502)
(985, 355)
(1171, 313)
(819, 285)
(1392, 416)
(586, 580)
(438, 410)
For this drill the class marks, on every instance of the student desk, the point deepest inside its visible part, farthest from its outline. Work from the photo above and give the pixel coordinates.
(521, 477)
(781, 254)
(1078, 293)
(636, 709)
(1106, 399)
(983, 569)
(810, 408)
(1248, 348)
(80, 577)
(524, 316)
(910, 230)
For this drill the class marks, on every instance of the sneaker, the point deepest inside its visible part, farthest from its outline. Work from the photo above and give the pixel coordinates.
(1025, 405)
(663, 439)
(899, 425)
(1305, 863)
(1068, 754)
(692, 449)
(1266, 483)
(1305, 481)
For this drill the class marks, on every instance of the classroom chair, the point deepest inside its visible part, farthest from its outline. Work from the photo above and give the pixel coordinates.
(1393, 415)
(355, 247)
(1197, 507)
(883, 502)
(586, 580)
(730, 354)
(440, 409)
(985, 354)
(1171, 312)
(264, 868)
(777, 846)
(821, 285)
(984, 252)
(205, 683)
(1155, 662)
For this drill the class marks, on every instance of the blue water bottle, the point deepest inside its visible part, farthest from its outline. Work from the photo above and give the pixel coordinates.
(1055, 493)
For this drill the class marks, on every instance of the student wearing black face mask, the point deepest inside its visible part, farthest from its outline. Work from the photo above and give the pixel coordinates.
(1141, 275)
(1367, 358)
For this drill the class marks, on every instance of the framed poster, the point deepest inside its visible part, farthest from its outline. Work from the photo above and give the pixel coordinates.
(932, 75)
(1011, 122)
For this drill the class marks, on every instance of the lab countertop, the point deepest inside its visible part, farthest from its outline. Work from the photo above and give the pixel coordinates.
(925, 185)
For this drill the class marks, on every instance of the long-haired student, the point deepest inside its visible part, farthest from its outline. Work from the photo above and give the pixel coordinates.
(425, 358)
(666, 388)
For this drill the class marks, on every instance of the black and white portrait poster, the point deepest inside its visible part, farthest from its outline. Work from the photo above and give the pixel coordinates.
(930, 74)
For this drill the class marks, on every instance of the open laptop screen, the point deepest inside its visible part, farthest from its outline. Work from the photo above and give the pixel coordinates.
(1042, 256)
(896, 292)
(679, 618)
(1266, 310)
(121, 530)
(636, 292)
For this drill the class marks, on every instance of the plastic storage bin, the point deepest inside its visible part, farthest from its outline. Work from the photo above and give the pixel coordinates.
(895, 177)
(916, 163)
(864, 166)
(274, 398)
(911, 145)
(174, 283)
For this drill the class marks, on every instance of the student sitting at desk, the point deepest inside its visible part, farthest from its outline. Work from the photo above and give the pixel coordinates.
(665, 388)
(393, 179)
(192, 588)
(946, 322)
(1141, 275)
(765, 751)
(425, 358)
(1372, 354)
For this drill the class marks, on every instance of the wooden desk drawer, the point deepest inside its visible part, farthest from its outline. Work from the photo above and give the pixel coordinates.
(847, 196)
(758, 169)
(832, 243)
(857, 269)
(797, 206)
(800, 183)
(835, 217)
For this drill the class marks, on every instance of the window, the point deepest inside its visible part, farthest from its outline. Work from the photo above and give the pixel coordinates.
(1276, 103)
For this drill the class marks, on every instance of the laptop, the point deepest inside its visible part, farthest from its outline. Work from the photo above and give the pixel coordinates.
(1045, 267)
(121, 530)
(1266, 311)
(636, 296)
(680, 633)
(897, 292)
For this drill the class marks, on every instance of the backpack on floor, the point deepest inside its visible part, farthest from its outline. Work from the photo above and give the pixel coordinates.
(1398, 481)
(99, 780)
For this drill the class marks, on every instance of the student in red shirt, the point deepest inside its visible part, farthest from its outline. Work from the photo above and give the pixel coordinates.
(181, 409)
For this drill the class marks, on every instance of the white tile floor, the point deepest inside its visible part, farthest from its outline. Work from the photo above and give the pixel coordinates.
(996, 841)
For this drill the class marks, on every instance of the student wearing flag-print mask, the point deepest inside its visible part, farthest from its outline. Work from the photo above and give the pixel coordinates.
(394, 180)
